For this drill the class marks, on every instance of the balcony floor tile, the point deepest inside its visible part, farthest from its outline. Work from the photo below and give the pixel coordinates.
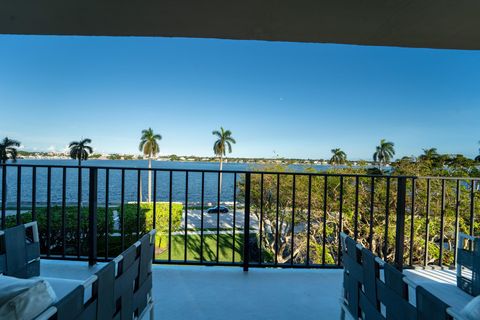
(229, 293)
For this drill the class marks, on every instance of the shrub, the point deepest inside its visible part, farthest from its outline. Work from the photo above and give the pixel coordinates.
(145, 217)
(56, 235)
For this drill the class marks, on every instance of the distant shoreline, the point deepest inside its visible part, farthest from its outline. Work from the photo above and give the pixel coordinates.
(175, 158)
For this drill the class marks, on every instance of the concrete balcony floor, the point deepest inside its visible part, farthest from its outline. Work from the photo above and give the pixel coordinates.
(191, 292)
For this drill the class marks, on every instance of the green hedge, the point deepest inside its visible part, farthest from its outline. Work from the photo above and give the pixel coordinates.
(146, 217)
(56, 235)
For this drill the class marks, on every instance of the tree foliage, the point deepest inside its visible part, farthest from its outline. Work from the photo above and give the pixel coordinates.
(80, 150)
(338, 156)
(366, 206)
(384, 152)
(149, 143)
(223, 143)
(8, 149)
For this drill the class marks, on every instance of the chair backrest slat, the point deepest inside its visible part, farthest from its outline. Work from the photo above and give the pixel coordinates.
(375, 290)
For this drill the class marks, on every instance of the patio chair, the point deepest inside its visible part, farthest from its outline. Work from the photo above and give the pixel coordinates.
(20, 251)
(133, 282)
(119, 290)
(373, 289)
(468, 264)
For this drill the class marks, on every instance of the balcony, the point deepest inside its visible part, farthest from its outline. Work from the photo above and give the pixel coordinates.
(282, 227)
(196, 292)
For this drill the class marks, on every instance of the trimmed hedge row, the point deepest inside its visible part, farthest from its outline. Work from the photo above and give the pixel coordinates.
(145, 217)
(56, 234)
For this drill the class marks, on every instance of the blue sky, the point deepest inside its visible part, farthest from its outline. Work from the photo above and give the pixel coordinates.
(297, 100)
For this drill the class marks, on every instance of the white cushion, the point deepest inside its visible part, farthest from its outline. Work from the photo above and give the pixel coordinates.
(62, 287)
(472, 310)
(24, 298)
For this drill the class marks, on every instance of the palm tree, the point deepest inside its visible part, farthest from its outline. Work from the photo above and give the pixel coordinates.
(79, 150)
(477, 158)
(149, 146)
(429, 154)
(384, 152)
(338, 157)
(221, 145)
(8, 149)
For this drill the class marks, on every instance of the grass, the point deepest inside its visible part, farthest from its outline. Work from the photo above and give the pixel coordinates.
(225, 247)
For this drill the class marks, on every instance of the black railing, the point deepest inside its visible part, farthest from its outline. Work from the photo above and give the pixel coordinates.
(280, 219)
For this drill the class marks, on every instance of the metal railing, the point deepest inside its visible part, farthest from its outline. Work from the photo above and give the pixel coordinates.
(279, 219)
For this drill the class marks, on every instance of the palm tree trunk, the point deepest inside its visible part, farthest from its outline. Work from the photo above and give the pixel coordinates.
(221, 166)
(79, 162)
(149, 179)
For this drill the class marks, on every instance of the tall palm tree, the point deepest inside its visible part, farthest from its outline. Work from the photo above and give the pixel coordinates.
(150, 148)
(429, 154)
(477, 158)
(338, 156)
(79, 150)
(224, 141)
(384, 152)
(8, 150)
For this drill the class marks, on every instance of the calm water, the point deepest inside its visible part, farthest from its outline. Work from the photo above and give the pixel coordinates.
(178, 181)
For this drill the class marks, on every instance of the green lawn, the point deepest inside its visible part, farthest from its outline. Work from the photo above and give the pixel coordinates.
(225, 247)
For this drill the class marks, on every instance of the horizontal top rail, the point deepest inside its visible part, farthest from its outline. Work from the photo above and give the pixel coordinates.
(213, 171)
(236, 171)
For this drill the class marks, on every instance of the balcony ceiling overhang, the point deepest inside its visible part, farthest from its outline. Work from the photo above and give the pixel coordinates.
(451, 24)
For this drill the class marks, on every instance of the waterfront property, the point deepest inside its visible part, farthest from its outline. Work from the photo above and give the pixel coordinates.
(294, 228)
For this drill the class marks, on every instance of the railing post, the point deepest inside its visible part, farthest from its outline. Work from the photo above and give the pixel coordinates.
(92, 217)
(246, 226)
(4, 196)
(400, 225)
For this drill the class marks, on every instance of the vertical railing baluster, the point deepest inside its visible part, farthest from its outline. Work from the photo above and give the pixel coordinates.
(34, 193)
(340, 223)
(107, 208)
(387, 219)
(234, 214)
(92, 216)
(4, 195)
(324, 231)
(355, 223)
(400, 222)
(49, 213)
(201, 217)
(139, 200)
(79, 211)
(276, 218)
(293, 221)
(412, 224)
(427, 224)
(370, 220)
(457, 212)
(170, 217)
(246, 227)
(442, 223)
(472, 206)
(309, 209)
(154, 223)
(64, 197)
(261, 219)
(19, 195)
(185, 240)
(154, 199)
(218, 215)
(122, 210)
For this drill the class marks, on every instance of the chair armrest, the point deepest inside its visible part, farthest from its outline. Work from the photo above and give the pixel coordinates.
(89, 282)
(47, 314)
(34, 227)
(409, 282)
(455, 313)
